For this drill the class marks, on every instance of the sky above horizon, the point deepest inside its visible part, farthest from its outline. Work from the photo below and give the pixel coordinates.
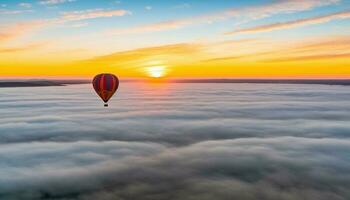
(178, 38)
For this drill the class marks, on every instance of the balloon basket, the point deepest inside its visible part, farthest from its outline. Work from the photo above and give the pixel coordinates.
(106, 105)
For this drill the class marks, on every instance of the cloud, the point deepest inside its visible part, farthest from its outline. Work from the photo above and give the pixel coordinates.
(335, 47)
(183, 123)
(135, 56)
(22, 28)
(148, 7)
(180, 141)
(226, 58)
(182, 6)
(29, 47)
(161, 26)
(19, 29)
(249, 13)
(13, 12)
(239, 53)
(275, 168)
(311, 57)
(91, 14)
(54, 2)
(285, 7)
(310, 49)
(293, 24)
(25, 5)
(79, 25)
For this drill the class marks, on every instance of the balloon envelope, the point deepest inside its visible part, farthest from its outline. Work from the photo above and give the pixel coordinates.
(105, 85)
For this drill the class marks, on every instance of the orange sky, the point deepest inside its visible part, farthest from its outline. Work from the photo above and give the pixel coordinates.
(321, 57)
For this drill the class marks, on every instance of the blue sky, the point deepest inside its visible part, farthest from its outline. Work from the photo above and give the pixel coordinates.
(153, 11)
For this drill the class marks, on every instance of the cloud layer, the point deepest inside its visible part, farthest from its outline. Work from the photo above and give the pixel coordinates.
(176, 141)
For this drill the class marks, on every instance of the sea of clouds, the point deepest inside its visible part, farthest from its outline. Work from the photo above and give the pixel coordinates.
(176, 141)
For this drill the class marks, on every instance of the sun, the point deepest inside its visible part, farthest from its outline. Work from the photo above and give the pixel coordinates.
(156, 71)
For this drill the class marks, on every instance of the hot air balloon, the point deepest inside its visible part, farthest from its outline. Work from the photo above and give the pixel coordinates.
(105, 86)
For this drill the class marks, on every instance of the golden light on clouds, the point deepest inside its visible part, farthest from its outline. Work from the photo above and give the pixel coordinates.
(312, 57)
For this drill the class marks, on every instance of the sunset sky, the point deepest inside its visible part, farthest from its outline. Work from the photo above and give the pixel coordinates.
(175, 39)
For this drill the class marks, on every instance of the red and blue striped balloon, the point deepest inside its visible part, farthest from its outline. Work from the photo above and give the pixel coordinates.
(105, 86)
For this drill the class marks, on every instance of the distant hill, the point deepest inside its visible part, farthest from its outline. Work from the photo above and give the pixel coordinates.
(40, 83)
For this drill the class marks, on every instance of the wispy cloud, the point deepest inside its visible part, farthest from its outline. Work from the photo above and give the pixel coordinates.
(78, 25)
(142, 55)
(29, 47)
(181, 6)
(311, 57)
(292, 24)
(161, 26)
(300, 50)
(16, 30)
(249, 13)
(14, 12)
(54, 2)
(19, 29)
(246, 51)
(331, 48)
(285, 7)
(91, 14)
(25, 5)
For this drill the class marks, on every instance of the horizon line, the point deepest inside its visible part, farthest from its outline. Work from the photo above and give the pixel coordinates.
(88, 77)
(61, 82)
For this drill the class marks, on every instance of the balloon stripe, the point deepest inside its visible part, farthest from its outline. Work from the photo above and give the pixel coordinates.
(109, 83)
(106, 87)
(97, 83)
(114, 83)
(102, 87)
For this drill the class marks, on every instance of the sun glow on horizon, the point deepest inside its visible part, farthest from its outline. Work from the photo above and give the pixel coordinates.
(156, 71)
